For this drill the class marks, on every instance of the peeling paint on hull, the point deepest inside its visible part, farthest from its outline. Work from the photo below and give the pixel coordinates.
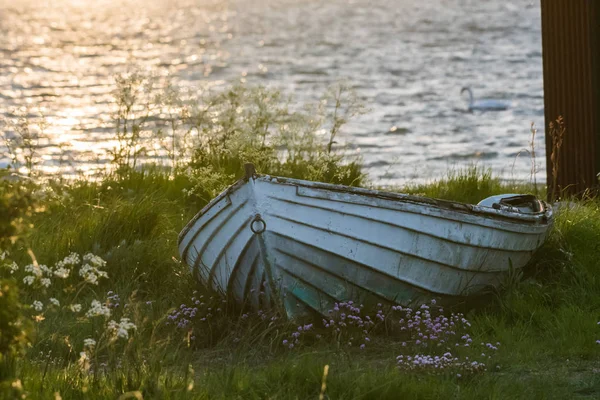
(307, 245)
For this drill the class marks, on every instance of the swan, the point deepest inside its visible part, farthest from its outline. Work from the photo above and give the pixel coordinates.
(484, 104)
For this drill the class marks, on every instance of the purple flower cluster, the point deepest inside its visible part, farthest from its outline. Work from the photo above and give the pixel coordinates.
(428, 327)
(294, 337)
(348, 325)
(112, 299)
(424, 329)
(263, 315)
(444, 364)
(197, 311)
(182, 317)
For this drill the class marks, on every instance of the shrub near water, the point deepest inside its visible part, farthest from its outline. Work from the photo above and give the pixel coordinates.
(257, 126)
(208, 139)
(16, 205)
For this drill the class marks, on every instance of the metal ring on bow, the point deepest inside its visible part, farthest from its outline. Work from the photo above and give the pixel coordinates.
(258, 219)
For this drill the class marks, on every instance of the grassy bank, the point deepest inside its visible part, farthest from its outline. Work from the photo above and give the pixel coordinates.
(111, 312)
(546, 323)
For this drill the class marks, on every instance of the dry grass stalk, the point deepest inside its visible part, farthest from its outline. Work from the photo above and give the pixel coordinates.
(557, 131)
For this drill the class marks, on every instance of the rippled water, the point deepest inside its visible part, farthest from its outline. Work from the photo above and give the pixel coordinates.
(407, 60)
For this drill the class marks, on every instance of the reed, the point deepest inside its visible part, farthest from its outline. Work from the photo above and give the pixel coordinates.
(557, 131)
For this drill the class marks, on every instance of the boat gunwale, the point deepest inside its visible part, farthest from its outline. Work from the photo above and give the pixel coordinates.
(465, 208)
(538, 218)
(414, 230)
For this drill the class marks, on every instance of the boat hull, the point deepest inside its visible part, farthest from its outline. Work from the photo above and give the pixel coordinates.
(307, 245)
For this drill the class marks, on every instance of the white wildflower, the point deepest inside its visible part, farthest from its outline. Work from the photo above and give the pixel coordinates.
(121, 329)
(85, 269)
(46, 282)
(45, 270)
(54, 302)
(71, 259)
(29, 279)
(33, 270)
(91, 278)
(13, 267)
(38, 305)
(97, 309)
(89, 343)
(62, 272)
(3, 255)
(91, 273)
(94, 260)
(75, 307)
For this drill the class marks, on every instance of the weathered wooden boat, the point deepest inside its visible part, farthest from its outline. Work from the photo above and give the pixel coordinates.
(307, 245)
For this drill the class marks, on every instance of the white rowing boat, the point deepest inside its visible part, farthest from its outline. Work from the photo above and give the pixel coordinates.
(307, 245)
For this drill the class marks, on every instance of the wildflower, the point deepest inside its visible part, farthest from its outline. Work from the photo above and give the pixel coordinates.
(71, 259)
(121, 329)
(94, 260)
(13, 267)
(97, 309)
(362, 346)
(32, 269)
(89, 343)
(28, 280)
(46, 282)
(45, 270)
(91, 273)
(54, 302)
(91, 278)
(75, 307)
(37, 305)
(62, 272)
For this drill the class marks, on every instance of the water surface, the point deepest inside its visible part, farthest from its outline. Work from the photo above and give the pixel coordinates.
(406, 59)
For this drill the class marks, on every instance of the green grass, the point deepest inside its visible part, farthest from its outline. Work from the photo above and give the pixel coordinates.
(546, 323)
(300, 377)
(469, 185)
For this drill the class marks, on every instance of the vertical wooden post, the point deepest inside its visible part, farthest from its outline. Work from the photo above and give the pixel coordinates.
(571, 54)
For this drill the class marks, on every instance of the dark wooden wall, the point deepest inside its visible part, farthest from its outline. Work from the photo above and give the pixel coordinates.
(571, 53)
